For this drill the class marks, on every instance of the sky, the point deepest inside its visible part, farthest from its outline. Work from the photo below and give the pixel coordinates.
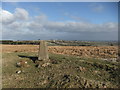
(59, 20)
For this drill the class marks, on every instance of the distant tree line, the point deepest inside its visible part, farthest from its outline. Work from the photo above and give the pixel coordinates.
(61, 43)
(19, 42)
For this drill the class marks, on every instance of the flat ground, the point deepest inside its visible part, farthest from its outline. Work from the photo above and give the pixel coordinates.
(66, 70)
(81, 51)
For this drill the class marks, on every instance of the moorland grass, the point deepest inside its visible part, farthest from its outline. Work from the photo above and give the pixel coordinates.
(63, 72)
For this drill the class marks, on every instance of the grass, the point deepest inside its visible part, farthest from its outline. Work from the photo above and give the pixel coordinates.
(63, 72)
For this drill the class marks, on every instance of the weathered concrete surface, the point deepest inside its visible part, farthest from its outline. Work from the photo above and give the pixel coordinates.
(43, 51)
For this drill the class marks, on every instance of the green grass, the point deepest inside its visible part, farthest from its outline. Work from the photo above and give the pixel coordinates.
(64, 73)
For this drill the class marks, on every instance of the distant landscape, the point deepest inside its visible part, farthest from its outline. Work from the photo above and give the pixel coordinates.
(61, 42)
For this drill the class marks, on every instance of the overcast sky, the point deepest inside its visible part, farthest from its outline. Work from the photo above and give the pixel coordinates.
(56, 20)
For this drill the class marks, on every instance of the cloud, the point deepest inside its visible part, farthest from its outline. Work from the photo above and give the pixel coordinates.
(74, 27)
(21, 14)
(19, 25)
(41, 18)
(14, 25)
(7, 17)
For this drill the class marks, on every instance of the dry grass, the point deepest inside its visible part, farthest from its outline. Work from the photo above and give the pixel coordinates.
(19, 48)
(82, 51)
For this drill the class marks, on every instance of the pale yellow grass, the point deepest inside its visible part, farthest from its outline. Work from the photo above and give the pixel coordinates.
(87, 51)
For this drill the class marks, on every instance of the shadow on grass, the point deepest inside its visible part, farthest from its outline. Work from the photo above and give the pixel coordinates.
(33, 58)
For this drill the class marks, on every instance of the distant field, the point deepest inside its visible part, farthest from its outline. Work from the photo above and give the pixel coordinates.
(81, 51)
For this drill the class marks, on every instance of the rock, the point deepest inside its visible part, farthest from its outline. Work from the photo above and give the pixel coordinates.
(22, 63)
(18, 72)
(38, 65)
(45, 64)
(96, 71)
(44, 82)
(82, 68)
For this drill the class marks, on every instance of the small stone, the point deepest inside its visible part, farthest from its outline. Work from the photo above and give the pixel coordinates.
(45, 64)
(38, 66)
(82, 68)
(18, 72)
(96, 71)
(44, 82)
(22, 63)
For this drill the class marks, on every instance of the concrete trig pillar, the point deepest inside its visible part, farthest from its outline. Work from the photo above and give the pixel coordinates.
(43, 51)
